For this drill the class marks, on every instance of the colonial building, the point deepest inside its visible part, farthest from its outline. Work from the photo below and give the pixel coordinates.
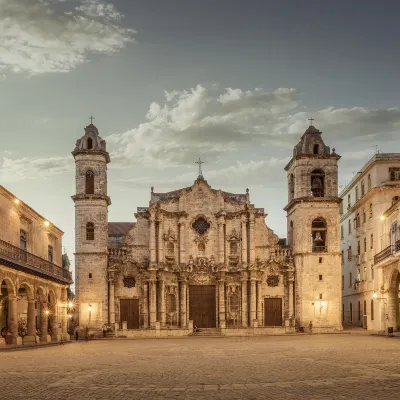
(205, 257)
(369, 232)
(33, 284)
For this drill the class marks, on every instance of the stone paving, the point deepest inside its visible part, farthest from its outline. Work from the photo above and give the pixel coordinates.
(344, 366)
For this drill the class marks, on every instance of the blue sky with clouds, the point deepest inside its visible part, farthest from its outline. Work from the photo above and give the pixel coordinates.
(231, 81)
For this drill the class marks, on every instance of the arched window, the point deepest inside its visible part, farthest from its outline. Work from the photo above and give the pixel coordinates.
(318, 233)
(89, 231)
(316, 149)
(89, 143)
(170, 249)
(89, 182)
(317, 183)
(370, 210)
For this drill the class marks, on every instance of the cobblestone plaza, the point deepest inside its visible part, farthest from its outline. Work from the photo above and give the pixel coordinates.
(341, 366)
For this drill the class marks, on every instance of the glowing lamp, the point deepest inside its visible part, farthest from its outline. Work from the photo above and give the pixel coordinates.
(375, 296)
(322, 303)
(89, 308)
(70, 304)
(382, 217)
(46, 223)
(16, 201)
(47, 312)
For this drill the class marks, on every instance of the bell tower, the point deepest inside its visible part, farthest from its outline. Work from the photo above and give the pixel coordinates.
(91, 228)
(313, 232)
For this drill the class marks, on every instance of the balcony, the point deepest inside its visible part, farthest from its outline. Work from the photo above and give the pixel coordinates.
(24, 261)
(388, 252)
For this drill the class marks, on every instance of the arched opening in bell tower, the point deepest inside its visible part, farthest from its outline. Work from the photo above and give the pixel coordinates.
(89, 184)
(318, 183)
(318, 234)
(89, 143)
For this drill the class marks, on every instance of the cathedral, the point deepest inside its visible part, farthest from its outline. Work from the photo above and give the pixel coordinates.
(202, 257)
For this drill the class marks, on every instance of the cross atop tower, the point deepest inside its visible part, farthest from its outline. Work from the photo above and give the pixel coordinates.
(200, 162)
(311, 120)
(91, 119)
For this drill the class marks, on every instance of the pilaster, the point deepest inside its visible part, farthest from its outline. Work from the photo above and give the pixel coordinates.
(245, 317)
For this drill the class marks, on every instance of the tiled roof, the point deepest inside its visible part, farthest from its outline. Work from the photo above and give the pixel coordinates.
(119, 228)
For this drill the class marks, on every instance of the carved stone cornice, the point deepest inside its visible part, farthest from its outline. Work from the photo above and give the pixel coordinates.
(175, 214)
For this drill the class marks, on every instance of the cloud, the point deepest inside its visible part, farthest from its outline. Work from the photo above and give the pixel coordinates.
(253, 173)
(27, 168)
(244, 132)
(38, 36)
(202, 121)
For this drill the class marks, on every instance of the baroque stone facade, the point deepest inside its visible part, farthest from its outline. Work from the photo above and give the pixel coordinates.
(204, 257)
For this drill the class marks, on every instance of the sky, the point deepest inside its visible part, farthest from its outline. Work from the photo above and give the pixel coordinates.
(168, 81)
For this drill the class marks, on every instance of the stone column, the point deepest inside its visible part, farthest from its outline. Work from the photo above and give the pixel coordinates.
(253, 300)
(152, 240)
(183, 305)
(182, 257)
(221, 240)
(44, 321)
(244, 241)
(13, 317)
(291, 300)
(153, 304)
(252, 243)
(259, 304)
(112, 302)
(54, 324)
(161, 239)
(245, 316)
(163, 306)
(145, 305)
(31, 318)
(221, 292)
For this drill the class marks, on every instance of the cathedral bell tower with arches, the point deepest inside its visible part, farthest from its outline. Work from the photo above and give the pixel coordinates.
(313, 232)
(91, 228)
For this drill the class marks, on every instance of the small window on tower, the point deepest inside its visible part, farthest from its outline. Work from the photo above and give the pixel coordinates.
(316, 149)
(320, 277)
(89, 182)
(317, 183)
(90, 275)
(320, 260)
(89, 143)
(89, 231)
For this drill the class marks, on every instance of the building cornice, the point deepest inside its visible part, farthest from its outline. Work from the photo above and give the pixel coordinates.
(93, 152)
(336, 200)
(25, 211)
(312, 157)
(90, 197)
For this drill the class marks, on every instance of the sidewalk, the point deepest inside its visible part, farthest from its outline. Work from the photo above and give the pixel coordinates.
(362, 331)
(14, 347)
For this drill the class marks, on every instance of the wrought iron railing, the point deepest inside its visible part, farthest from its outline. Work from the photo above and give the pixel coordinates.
(385, 253)
(19, 255)
(319, 249)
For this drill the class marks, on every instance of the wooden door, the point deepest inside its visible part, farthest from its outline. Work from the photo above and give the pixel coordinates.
(273, 311)
(129, 312)
(202, 305)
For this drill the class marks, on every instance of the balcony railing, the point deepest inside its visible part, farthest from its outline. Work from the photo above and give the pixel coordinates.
(385, 253)
(319, 249)
(21, 256)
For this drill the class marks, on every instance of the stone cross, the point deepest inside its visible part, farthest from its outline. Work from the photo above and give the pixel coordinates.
(200, 162)
(91, 119)
(311, 120)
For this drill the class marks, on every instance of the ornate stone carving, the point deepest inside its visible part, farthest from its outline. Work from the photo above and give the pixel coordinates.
(129, 281)
(273, 280)
(201, 225)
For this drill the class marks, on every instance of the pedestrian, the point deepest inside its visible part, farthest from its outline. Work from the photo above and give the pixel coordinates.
(76, 334)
